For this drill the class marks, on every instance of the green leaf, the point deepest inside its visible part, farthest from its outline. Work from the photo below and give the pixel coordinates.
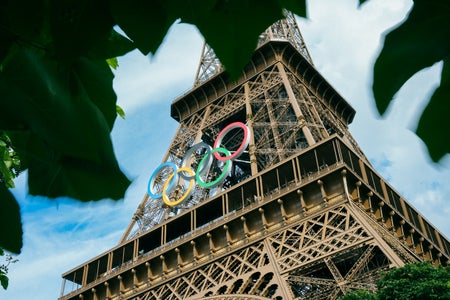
(6, 174)
(37, 95)
(298, 7)
(24, 19)
(111, 46)
(96, 80)
(76, 178)
(10, 223)
(223, 29)
(67, 114)
(5, 166)
(145, 22)
(53, 175)
(188, 10)
(361, 2)
(433, 124)
(422, 40)
(6, 42)
(4, 280)
(120, 112)
(77, 25)
(113, 63)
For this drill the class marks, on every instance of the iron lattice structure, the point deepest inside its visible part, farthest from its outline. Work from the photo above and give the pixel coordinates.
(302, 214)
(283, 114)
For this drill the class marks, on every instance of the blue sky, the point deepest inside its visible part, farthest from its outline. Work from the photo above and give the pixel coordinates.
(343, 42)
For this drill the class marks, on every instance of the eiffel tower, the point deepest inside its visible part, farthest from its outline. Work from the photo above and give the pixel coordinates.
(262, 194)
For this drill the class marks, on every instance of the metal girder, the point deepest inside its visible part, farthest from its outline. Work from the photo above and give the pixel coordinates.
(313, 280)
(340, 284)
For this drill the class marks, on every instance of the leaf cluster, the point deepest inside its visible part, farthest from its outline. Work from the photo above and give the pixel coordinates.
(4, 266)
(359, 295)
(415, 281)
(57, 103)
(9, 162)
(3, 272)
(422, 40)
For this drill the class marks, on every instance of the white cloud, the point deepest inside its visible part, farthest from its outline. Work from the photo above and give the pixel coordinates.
(58, 238)
(141, 79)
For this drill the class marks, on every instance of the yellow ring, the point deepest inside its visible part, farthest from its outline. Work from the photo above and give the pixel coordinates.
(186, 194)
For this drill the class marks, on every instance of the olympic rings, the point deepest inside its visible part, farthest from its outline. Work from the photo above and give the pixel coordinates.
(180, 176)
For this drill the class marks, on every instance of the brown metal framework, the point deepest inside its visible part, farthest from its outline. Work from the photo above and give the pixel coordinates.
(303, 215)
(286, 104)
(298, 230)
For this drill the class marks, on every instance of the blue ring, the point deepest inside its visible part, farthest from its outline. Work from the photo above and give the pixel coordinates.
(151, 181)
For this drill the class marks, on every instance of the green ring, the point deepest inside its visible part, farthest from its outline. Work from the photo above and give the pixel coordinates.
(221, 177)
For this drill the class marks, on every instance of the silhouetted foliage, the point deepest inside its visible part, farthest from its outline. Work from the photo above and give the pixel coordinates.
(416, 281)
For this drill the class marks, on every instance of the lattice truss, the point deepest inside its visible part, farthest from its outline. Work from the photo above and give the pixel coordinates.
(286, 29)
(277, 133)
(319, 115)
(322, 257)
(282, 30)
(241, 273)
(329, 255)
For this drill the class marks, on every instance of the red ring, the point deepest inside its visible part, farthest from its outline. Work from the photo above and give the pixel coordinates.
(241, 148)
